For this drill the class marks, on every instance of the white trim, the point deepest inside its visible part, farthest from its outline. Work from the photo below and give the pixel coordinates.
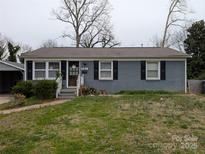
(4, 62)
(100, 70)
(60, 67)
(25, 70)
(114, 59)
(159, 70)
(185, 63)
(46, 69)
(67, 75)
(67, 72)
(34, 70)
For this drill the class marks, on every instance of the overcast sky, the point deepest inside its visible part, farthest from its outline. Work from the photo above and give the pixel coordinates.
(135, 21)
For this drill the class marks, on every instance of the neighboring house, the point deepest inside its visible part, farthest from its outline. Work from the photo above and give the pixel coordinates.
(110, 69)
(10, 74)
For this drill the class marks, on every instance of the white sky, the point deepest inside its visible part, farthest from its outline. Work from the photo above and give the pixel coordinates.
(135, 21)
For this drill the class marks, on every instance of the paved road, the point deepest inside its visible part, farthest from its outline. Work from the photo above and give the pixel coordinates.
(5, 98)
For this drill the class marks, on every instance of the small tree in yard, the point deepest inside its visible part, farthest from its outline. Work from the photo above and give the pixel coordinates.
(195, 46)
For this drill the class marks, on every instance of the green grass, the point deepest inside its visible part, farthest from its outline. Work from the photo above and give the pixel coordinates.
(144, 92)
(27, 102)
(119, 124)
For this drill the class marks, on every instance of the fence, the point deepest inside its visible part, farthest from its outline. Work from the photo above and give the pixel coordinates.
(195, 86)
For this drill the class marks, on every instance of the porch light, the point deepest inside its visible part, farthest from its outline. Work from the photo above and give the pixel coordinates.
(73, 67)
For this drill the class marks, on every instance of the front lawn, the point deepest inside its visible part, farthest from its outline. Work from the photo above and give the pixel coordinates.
(139, 123)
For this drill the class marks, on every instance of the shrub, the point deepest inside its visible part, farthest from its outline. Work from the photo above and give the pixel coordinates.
(45, 89)
(88, 91)
(19, 100)
(23, 88)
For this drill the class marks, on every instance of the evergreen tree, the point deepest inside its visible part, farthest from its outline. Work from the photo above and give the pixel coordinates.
(195, 46)
(13, 50)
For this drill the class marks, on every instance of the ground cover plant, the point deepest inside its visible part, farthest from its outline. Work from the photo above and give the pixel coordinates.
(138, 123)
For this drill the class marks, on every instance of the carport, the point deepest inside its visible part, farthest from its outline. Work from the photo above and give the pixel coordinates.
(10, 74)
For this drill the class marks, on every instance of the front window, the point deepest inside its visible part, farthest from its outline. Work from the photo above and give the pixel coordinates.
(40, 70)
(106, 70)
(153, 70)
(53, 69)
(46, 70)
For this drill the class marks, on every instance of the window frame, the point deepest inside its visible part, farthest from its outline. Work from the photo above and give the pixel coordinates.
(159, 70)
(46, 69)
(50, 78)
(105, 70)
(39, 70)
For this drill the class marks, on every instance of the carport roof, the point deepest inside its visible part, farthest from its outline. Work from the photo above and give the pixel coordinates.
(11, 65)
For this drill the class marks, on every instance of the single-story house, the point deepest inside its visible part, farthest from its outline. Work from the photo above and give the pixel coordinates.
(10, 74)
(110, 69)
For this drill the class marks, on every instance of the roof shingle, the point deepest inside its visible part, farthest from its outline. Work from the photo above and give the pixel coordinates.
(88, 53)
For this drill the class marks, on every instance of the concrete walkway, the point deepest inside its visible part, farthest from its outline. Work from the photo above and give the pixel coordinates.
(5, 99)
(32, 107)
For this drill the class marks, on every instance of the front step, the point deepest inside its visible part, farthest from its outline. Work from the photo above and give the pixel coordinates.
(69, 93)
(69, 90)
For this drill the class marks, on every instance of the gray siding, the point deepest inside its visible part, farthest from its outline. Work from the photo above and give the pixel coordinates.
(129, 78)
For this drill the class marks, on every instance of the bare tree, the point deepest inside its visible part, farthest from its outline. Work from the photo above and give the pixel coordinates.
(178, 38)
(49, 44)
(177, 9)
(99, 36)
(3, 53)
(156, 41)
(25, 48)
(81, 15)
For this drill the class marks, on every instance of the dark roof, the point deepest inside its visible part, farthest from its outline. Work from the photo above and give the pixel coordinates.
(87, 53)
(13, 64)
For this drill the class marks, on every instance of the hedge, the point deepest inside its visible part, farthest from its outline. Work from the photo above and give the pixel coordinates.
(26, 88)
(45, 89)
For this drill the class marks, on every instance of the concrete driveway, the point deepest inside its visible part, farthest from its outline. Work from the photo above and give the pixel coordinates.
(5, 99)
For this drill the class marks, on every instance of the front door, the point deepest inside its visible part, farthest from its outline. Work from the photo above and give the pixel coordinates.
(73, 73)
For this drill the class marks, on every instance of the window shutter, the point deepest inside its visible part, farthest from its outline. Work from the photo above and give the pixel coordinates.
(163, 70)
(115, 70)
(143, 70)
(29, 70)
(96, 70)
(63, 69)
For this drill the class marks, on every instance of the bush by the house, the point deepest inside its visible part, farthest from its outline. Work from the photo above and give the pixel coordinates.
(19, 99)
(24, 88)
(45, 89)
(84, 90)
